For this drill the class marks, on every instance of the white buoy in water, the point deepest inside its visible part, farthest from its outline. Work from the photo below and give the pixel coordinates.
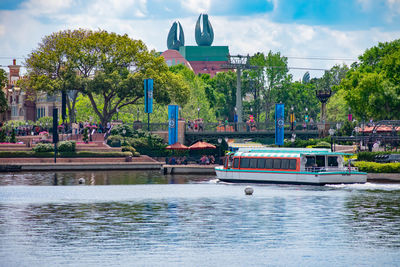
(248, 190)
(81, 181)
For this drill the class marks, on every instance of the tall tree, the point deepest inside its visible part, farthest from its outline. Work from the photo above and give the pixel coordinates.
(372, 87)
(221, 92)
(272, 76)
(107, 65)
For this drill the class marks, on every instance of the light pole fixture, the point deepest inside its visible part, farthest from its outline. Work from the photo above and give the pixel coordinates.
(331, 133)
(117, 109)
(198, 113)
(292, 118)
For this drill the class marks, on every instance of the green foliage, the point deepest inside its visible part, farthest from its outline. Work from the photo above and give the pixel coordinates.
(347, 128)
(302, 143)
(128, 149)
(85, 137)
(372, 87)
(12, 138)
(66, 146)
(115, 140)
(3, 82)
(322, 144)
(144, 142)
(2, 135)
(43, 148)
(45, 122)
(373, 167)
(65, 61)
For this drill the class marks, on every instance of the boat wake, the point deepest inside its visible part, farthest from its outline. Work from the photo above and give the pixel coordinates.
(367, 186)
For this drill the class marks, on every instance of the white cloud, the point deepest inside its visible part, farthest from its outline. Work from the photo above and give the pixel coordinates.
(244, 35)
(40, 7)
(197, 6)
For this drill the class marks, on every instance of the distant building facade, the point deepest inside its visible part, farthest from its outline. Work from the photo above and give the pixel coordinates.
(25, 104)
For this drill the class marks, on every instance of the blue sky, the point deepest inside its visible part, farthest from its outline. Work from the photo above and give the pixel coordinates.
(302, 29)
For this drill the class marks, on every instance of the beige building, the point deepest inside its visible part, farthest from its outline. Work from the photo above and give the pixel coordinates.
(24, 105)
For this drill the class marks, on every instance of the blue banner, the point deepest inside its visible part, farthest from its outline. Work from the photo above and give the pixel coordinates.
(148, 95)
(279, 123)
(173, 112)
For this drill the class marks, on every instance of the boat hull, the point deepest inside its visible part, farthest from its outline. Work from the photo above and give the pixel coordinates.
(316, 178)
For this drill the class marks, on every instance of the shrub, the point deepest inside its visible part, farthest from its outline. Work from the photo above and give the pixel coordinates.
(322, 144)
(2, 136)
(114, 140)
(128, 148)
(67, 146)
(43, 148)
(12, 138)
(373, 167)
(85, 137)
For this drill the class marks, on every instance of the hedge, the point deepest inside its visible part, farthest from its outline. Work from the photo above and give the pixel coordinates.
(80, 154)
(373, 167)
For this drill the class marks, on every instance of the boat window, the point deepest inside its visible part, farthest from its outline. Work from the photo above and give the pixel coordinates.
(261, 163)
(320, 161)
(277, 163)
(268, 163)
(333, 161)
(310, 161)
(253, 163)
(285, 164)
(292, 164)
(244, 162)
(235, 163)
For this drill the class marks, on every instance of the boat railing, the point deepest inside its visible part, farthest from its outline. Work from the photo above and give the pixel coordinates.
(330, 169)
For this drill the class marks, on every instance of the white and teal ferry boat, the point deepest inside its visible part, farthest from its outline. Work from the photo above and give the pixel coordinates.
(288, 165)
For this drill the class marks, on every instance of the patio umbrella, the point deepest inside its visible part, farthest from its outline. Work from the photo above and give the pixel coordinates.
(202, 145)
(177, 146)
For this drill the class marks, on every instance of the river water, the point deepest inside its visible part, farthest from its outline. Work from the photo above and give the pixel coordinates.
(148, 219)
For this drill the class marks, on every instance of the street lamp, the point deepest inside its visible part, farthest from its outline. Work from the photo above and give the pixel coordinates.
(219, 148)
(198, 113)
(117, 109)
(331, 133)
(292, 118)
(123, 134)
(137, 115)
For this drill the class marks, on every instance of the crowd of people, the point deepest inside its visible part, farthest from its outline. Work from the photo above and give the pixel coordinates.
(204, 160)
(195, 125)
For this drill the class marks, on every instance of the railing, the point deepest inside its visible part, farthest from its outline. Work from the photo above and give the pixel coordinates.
(331, 169)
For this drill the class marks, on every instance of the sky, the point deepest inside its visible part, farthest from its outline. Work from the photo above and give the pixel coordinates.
(313, 34)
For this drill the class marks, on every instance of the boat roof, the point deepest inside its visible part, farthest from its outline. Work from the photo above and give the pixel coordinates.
(287, 152)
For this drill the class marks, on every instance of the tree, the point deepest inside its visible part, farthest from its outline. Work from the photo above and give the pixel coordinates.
(198, 95)
(271, 76)
(221, 93)
(107, 67)
(3, 82)
(372, 87)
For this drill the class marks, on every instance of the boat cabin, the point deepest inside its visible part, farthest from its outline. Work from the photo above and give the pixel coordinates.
(300, 160)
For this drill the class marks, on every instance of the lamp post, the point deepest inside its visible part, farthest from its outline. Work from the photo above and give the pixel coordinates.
(219, 149)
(117, 112)
(198, 113)
(123, 134)
(331, 133)
(292, 118)
(137, 114)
